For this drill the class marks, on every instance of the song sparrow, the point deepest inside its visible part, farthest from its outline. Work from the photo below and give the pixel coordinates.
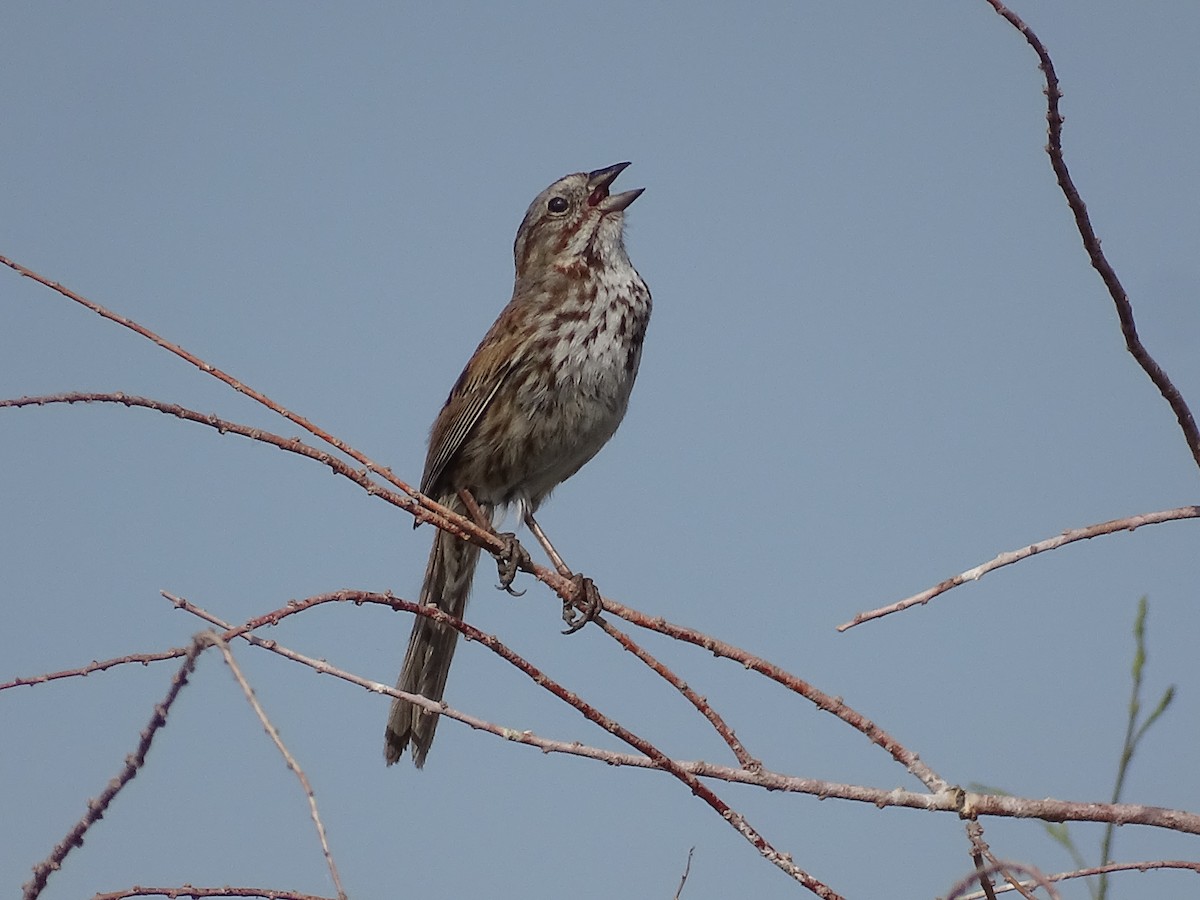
(544, 391)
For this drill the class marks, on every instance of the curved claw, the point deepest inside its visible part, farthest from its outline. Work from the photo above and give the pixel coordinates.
(586, 603)
(509, 562)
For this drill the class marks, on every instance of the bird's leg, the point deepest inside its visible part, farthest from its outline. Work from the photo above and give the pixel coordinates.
(586, 605)
(510, 559)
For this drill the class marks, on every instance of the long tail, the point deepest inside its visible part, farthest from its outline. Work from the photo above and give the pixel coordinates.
(448, 578)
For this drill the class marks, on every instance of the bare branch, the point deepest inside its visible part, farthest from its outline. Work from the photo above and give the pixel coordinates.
(745, 760)
(986, 861)
(422, 508)
(208, 369)
(687, 869)
(1036, 878)
(97, 807)
(951, 800)
(1129, 523)
(1091, 242)
(907, 758)
(657, 758)
(823, 701)
(144, 658)
(273, 734)
(563, 587)
(1144, 866)
(188, 891)
(418, 505)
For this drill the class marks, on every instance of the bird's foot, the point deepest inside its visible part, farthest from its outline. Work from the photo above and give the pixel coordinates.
(509, 561)
(585, 605)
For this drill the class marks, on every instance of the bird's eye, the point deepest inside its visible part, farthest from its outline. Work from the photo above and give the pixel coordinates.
(557, 205)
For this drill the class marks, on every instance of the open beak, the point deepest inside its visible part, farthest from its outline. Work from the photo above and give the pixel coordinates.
(600, 181)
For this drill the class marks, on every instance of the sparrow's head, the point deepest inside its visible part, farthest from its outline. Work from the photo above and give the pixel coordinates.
(574, 223)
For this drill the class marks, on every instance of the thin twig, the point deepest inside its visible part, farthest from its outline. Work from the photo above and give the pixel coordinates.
(1037, 878)
(1134, 730)
(188, 891)
(834, 705)
(97, 666)
(745, 760)
(979, 851)
(985, 861)
(97, 807)
(687, 869)
(1129, 523)
(428, 511)
(1091, 242)
(1143, 866)
(208, 369)
(916, 766)
(290, 760)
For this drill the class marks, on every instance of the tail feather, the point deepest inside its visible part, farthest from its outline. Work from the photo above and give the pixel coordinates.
(448, 578)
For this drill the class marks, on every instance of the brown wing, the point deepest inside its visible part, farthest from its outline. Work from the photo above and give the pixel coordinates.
(464, 407)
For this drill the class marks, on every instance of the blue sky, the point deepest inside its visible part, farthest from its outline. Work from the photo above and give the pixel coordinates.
(879, 356)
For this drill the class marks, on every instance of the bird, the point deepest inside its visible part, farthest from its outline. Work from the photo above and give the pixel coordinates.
(545, 389)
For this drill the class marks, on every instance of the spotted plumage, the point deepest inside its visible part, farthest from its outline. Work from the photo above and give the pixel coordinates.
(545, 389)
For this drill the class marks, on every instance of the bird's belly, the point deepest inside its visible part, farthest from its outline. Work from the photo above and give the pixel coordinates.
(563, 405)
(567, 426)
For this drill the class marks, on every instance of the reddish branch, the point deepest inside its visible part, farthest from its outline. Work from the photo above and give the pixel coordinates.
(415, 503)
(289, 760)
(96, 808)
(1129, 523)
(907, 758)
(1091, 242)
(952, 799)
(657, 758)
(423, 509)
(834, 705)
(563, 586)
(745, 760)
(1006, 868)
(188, 891)
(420, 506)
(1142, 866)
(985, 862)
(206, 368)
(144, 658)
